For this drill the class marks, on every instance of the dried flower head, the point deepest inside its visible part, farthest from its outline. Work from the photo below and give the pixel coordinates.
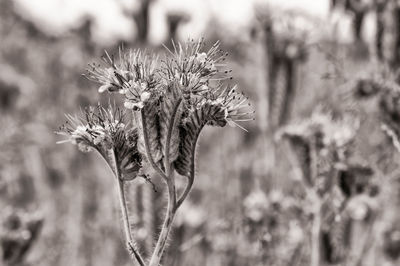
(105, 131)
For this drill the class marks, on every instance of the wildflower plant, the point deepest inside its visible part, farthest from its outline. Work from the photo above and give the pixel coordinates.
(169, 101)
(324, 148)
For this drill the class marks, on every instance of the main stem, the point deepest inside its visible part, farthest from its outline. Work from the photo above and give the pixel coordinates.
(167, 225)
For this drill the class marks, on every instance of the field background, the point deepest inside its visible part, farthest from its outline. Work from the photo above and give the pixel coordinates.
(44, 49)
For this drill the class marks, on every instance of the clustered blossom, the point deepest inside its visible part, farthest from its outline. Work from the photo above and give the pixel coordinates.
(189, 75)
(194, 69)
(171, 102)
(105, 131)
(132, 76)
(196, 73)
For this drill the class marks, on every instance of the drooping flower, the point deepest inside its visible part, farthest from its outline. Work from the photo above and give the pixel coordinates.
(235, 107)
(105, 131)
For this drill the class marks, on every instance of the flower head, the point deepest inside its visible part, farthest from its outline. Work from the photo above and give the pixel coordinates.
(234, 107)
(193, 68)
(133, 75)
(105, 131)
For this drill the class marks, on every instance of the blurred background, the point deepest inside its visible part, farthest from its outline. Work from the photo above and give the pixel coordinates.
(58, 206)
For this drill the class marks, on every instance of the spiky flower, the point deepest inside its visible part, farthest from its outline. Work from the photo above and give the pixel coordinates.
(193, 68)
(133, 75)
(105, 131)
(234, 106)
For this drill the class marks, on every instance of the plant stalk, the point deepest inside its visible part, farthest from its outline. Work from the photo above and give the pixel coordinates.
(127, 228)
(125, 216)
(167, 225)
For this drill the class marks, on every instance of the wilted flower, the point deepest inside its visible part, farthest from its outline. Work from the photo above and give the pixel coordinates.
(105, 131)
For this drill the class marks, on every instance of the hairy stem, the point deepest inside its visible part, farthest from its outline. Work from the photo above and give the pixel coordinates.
(125, 217)
(167, 225)
(147, 147)
(171, 209)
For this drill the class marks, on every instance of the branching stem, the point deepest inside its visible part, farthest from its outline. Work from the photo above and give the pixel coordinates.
(172, 204)
(167, 225)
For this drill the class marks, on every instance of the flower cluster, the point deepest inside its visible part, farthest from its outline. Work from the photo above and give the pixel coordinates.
(133, 76)
(193, 68)
(105, 131)
(185, 87)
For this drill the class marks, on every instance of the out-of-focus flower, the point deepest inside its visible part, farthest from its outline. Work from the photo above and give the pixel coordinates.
(191, 215)
(18, 232)
(391, 245)
(362, 207)
(256, 205)
(321, 141)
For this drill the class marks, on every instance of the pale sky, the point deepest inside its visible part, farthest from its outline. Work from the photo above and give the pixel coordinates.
(111, 21)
